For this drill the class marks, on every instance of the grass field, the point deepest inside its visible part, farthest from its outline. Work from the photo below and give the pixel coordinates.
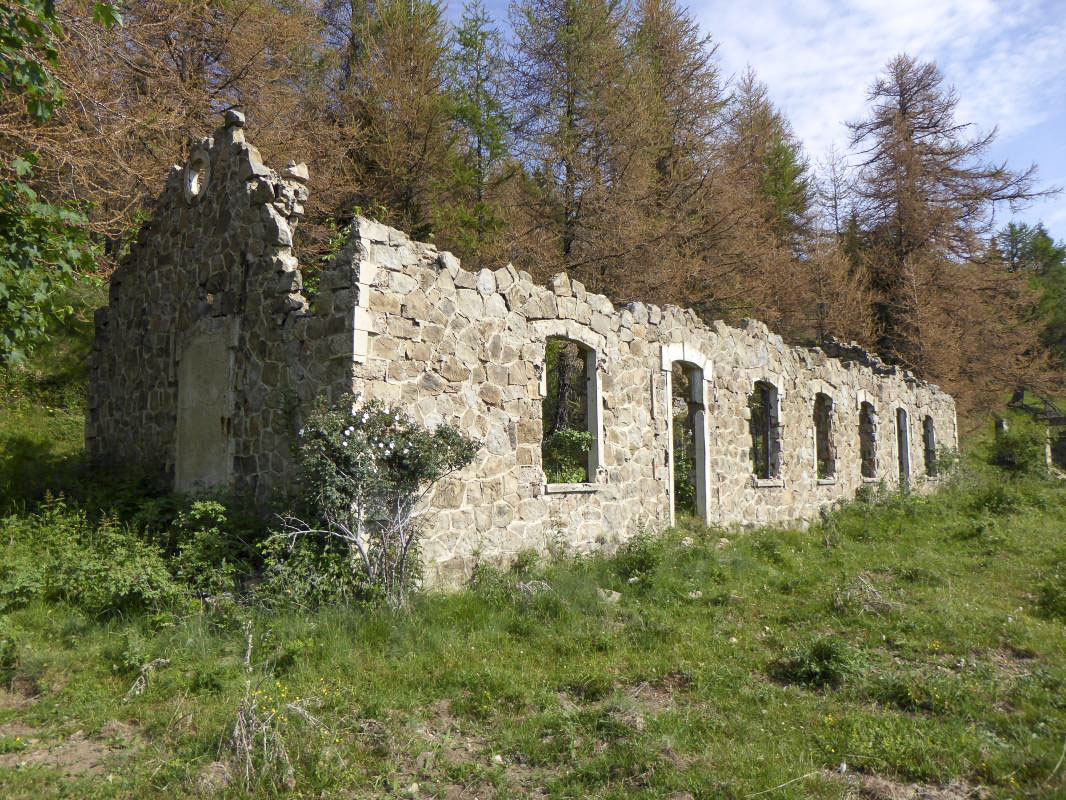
(904, 644)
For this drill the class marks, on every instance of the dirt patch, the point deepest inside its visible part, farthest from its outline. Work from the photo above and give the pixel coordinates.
(21, 691)
(448, 741)
(658, 695)
(478, 790)
(446, 734)
(76, 754)
(876, 787)
(17, 729)
(1012, 662)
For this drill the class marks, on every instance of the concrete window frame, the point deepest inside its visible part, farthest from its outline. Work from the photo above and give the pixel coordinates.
(774, 478)
(822, 393)
(903, 447)
(866, 409)
(591, 350)
(701, 372)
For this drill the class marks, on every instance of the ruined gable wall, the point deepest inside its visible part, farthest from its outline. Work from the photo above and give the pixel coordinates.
(447, 345)
(211, 272)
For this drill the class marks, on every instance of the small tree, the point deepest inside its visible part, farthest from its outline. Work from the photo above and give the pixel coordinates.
(42, 247)
(364, 471)
(42, 250)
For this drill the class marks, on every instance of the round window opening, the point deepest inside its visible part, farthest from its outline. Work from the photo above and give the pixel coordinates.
(197, 175)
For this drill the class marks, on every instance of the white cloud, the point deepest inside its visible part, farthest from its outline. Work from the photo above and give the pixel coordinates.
(819, 57)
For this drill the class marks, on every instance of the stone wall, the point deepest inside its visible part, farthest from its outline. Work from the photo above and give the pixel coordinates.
(211, 271)
(399, 321)
(449, 345)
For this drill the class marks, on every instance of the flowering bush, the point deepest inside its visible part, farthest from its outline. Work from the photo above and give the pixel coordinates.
(363, 471)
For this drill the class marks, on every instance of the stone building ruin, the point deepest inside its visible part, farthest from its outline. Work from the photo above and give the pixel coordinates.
(209, 350)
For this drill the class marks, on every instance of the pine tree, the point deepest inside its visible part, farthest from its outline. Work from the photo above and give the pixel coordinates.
(575, 113)
(469, 217)
(925, 202)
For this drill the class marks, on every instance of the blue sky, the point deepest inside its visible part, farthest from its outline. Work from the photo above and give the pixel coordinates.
(1006, 59)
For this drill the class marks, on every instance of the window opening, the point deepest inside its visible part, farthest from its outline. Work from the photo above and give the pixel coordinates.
(868, 440)
(567, 443)
(1058, 449)
(685, 411)
(765, 431)
(929, 446)
(823, 436)
(903, 448)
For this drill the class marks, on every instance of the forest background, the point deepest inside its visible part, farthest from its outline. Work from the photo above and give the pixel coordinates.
(598, 137)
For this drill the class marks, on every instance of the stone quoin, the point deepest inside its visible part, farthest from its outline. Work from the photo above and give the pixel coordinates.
(209, 352)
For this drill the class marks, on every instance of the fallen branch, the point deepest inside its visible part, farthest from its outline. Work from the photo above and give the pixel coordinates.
(786, 783)
(141, 683)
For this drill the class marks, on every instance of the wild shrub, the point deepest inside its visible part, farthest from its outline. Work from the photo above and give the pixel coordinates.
(210, 556)
(8, 650)
(997, 499)
(364, 471)
(639, 557)
(534, 599)
(769, 549)
(129, 652)
(525, 563)
(824, 662)
(1020, 451)
(102, 568)
(919, 693)
(1051, 598)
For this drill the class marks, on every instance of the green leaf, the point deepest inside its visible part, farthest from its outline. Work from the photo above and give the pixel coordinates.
(106, 15)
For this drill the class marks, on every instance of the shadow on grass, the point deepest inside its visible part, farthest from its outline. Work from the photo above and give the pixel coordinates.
(34, 469)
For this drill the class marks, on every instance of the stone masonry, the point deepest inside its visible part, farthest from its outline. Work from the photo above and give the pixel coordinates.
(208, 352)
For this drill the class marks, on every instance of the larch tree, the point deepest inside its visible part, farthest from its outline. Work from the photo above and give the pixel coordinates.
(137, 93)
(768, 159)
(575, 116)
(469, 218)
(770, 190)
(925, 203)
(393, 107)
(684, 206)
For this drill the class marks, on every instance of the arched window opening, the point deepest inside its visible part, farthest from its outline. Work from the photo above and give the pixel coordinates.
(903, 448)
(569, 445)
(825, 453)
(929, 446)
(868, 440)
(685, 411)
(765, 431)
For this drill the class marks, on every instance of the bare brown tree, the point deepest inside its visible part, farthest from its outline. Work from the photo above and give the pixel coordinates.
(926, 202)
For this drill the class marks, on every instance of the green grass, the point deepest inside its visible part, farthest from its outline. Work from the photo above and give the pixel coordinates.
(42, 408)
(706, 677)
(915, 639)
